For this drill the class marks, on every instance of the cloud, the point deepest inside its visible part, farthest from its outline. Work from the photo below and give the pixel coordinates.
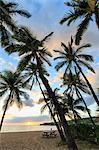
(35, 95)
(94, 78)
(57, 78)
(8, 116)
(28, 103)
(6, 65)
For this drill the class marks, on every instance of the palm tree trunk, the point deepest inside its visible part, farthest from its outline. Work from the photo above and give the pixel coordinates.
(89, 85)
(58, 128)
(79, 94)
(1, 123)
(70, 140)
(59, 122)
(77, 130)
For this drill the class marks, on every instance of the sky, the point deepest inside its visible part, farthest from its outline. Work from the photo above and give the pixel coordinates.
(46, 15)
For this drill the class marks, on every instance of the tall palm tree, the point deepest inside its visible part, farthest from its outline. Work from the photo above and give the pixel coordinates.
(52, 111)
(75, 85)
(84, 10)
(7, 23)
(11, 86)
(71, 57)
(73, 105)
(32, 74)
(33, 50)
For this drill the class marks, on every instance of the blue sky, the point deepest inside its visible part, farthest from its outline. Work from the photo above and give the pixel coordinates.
(46, 15)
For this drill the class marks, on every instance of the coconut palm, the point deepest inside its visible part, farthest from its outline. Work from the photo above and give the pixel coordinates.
(7, 23)
(52, 111)
(32, 74)
(33, 50)
(71, 57)
(11, 86)
(84, 10)
(75, 85)
(73, 105)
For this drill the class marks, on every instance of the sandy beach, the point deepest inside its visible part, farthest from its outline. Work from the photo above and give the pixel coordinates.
(35, 141)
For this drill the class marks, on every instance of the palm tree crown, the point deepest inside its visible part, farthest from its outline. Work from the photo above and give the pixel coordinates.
(70, 55)
(84, 10)
(74, 57)
(74, 105)
(29, 48)
(11, 86)
(72, 82)
(7, 24)
(32, 73)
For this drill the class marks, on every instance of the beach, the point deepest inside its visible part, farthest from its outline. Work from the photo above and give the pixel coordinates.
(35, 141)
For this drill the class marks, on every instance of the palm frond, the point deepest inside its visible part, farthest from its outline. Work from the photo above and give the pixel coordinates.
(60, 52)
(4, 36)
(3, 92)
(47, 37)
(12, 48)
(77, 101)
(86, 65)
(69, 18)
(24, 13)
(86, 57)
(60, 65)
(65, 47)
(24, 62)
(97, 16)
(45, 59)
(82, 28)
(82, 108)
(79, 49)
(43, 108)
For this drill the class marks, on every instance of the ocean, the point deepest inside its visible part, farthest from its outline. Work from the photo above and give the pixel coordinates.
(25, 128)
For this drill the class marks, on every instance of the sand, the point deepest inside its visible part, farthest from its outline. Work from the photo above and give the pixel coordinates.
(35, 141)
(27, 141)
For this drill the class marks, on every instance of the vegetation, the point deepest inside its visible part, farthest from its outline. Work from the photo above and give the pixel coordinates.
(12, 86)
(7, 23)
(33, 58)
(72, 57)
(83, 10)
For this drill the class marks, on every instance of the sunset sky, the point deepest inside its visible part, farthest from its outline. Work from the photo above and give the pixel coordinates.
(46, 15)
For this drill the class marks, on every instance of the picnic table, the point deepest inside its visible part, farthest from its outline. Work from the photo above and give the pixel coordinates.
(49, 134)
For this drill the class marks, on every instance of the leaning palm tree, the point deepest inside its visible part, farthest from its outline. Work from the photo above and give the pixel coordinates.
(7, 23)
(71, 57)
(52, 111)
(11, 86)
(33, 50)
(32, 74)
(84, 10)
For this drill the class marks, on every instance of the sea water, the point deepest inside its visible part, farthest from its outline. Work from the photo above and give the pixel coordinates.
(25, 128)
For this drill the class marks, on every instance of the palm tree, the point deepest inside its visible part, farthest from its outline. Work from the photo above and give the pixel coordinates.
(11, 86)
(75, 85)
(32, 74)
(71, 57)
(7, 23)
(33, 50)
(84, 10)
(52, 111)
(74, 105)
